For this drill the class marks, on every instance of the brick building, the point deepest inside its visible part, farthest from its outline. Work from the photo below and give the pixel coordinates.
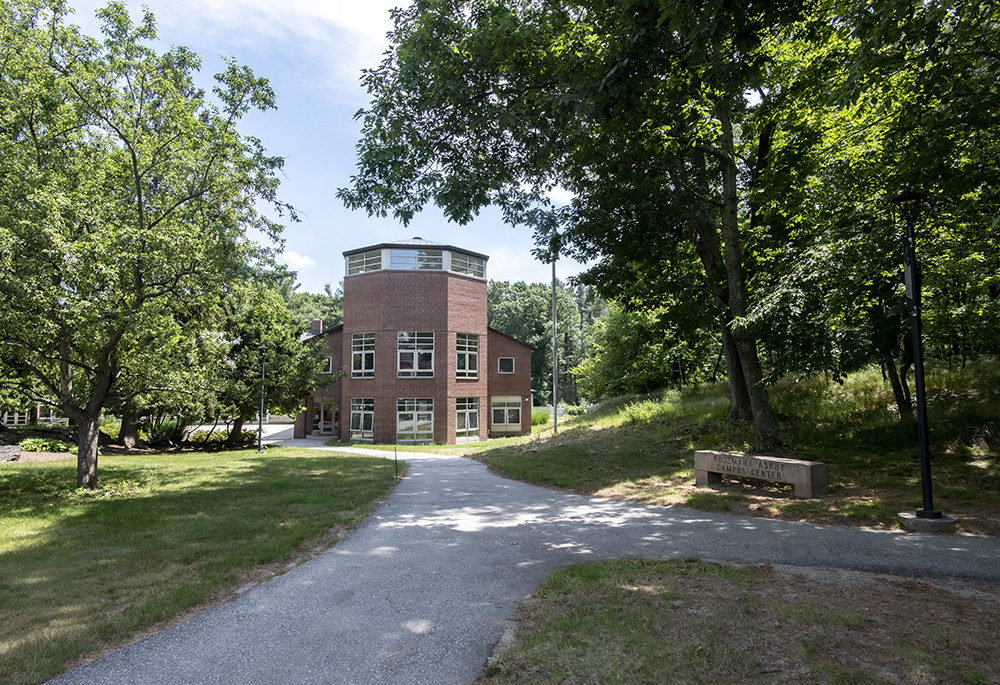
(420, 362)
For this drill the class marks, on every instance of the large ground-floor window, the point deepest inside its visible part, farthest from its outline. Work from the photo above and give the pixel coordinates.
(415, 420)
(467, 419)
(362, 418)
(506, 414)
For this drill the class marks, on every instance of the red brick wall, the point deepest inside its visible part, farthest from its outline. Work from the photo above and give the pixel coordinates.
(510, 385)
(385, 302)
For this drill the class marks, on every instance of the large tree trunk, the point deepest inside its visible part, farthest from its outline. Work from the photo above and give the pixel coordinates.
(902, 399)
(86, 456)
(705, 236)
(764, 424)
(236, 432)
(739, 408)
(128, 434)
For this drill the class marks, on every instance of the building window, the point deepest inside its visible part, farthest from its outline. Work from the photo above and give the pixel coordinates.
(415, 420)
(329, 365)
(362, 418)
(415, 352)
(364, 261)
(362, 355)
(506, 364)
(467, 364)
(467, 264)
(506, 413)
(432, 260)
(467, 419)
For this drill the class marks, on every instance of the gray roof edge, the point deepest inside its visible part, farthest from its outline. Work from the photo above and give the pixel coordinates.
(416, 243)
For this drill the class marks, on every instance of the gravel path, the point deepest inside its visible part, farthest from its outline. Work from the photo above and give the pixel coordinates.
(422, 591)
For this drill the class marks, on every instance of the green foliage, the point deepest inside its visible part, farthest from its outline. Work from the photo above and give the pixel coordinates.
(640, 351)
(204, 439)
(253, 316)
(540, 417)
(45, 445)
(524, 312)
(125, 210)
(328, 306)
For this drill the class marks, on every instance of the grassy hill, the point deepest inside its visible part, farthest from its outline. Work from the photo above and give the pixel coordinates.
(642, 449)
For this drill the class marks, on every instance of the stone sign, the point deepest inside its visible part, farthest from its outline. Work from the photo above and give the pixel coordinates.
(808, 477)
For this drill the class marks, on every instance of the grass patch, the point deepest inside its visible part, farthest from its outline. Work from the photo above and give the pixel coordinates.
(642, 449)
(696, 622)
(83, 571)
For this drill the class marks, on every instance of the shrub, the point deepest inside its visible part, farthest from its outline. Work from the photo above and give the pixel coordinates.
(217, 437)
(45, 445)
(540, 417)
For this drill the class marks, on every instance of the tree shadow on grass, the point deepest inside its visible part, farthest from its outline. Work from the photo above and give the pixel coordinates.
(85, 569)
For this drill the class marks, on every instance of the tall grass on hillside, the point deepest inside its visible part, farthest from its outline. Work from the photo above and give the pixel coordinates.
(642, 448)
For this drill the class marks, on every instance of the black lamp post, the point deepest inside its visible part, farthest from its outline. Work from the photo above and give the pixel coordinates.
(909, 204)
(260, 415)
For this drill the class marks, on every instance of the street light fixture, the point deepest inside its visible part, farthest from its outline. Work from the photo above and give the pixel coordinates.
(909, 204)
(260, 415)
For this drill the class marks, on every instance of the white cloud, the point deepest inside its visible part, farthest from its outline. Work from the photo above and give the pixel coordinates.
(331, 40)
(296, 261)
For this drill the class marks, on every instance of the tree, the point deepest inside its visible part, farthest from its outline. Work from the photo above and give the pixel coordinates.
(126, 199)
(255, 315)
(328, 306)
(634, 103)
(907, 96)
(524, 312)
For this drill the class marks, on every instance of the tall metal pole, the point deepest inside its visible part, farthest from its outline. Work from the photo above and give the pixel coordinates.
(555, 356)
(260, 414)
(909, 203)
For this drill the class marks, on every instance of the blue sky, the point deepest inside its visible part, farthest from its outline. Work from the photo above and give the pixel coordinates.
(312, 52)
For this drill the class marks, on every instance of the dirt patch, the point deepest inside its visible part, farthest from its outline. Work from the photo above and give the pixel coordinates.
(44, 456)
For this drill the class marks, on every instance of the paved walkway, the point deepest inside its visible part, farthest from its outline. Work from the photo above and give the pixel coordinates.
(420, 593)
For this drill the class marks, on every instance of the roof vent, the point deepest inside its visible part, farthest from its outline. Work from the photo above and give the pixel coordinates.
(416, 237)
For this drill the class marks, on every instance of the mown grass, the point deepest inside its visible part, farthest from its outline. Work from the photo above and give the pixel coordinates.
(82, 571)
(642, 449)
(690, 621)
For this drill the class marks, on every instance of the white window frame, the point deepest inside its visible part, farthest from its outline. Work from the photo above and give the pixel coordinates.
(467, 355)
(414, 420)
(329, 365)
(362, 426)
(467, 264)
(467, 419)
(415, 354)
(500, 361)
(509, 408)
(364, 261)
(416, 260)
(362, 355)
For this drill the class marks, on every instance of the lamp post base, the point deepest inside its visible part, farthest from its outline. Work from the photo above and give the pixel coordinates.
(919, 522)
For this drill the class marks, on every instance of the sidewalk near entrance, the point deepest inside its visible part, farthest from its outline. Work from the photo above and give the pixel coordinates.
(422, 591)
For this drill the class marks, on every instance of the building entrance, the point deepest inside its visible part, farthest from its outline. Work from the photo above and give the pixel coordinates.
(326, 417)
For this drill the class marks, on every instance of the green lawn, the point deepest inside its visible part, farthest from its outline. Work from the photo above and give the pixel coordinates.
(82, 571)
(688, 621)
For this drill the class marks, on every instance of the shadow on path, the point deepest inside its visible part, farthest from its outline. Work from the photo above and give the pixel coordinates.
(421, 592)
